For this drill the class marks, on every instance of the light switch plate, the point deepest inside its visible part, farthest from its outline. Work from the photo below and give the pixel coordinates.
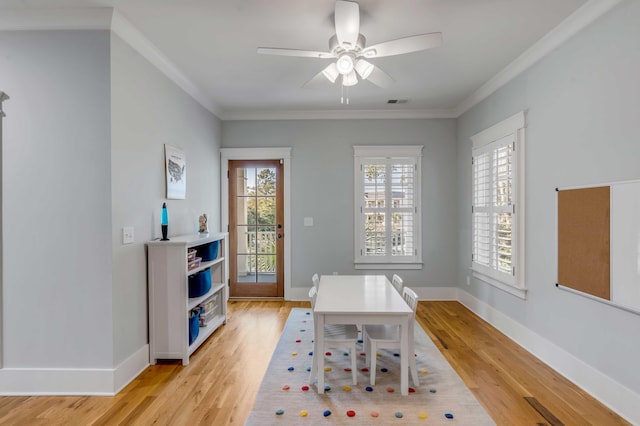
(128, 235)
(308, 221)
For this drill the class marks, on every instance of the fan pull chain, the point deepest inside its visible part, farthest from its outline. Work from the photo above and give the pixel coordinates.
(344, 89)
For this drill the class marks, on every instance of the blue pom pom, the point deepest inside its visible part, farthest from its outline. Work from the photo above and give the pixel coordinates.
(449, 415)
(369, 389)
(398, 415)
(326, 413)
(290, 368)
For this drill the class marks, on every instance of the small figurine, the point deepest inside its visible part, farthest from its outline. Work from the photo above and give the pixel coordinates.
(203, 224)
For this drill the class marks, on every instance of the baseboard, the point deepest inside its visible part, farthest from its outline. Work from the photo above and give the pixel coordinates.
(614, 395)
(55, 381)
(70, 381)
(130, 368)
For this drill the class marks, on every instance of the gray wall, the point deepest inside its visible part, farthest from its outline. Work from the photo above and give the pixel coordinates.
(148, 111)
(57, 199)
(583, 104)
(83, 157)
(322, 188)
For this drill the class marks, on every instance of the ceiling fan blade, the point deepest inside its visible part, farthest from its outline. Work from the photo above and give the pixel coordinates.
(316, 81)
(295, 52)
(347, 20)
(403, 45)
(330, 73)
(380, 78)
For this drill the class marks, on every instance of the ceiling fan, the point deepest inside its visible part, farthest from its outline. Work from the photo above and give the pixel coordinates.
(349, 49)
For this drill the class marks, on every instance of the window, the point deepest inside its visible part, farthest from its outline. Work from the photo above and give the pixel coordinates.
(497, 210)
(387, 207)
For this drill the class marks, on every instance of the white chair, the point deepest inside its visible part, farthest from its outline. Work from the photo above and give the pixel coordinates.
(397, 283)
(335, 336)
(388, 337)
(315, 280)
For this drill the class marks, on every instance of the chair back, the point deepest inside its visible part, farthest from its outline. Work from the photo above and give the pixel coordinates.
(411, 298)
(313, 292)
(397, 283)
(315, 280)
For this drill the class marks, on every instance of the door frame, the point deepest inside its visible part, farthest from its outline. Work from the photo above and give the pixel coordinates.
(283, 153)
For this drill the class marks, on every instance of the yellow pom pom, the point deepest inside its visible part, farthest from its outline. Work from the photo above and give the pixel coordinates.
(327, 369)
(347, 388)
(304, 413)
(294, 353)
(422, 415)
(423, 371)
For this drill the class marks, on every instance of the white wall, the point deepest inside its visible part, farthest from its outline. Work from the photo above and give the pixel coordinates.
(57, 200)
(148, 111)
(322, 188)
(583, 104)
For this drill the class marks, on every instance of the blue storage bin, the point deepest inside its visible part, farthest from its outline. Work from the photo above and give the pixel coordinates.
(209, 251)
(194, 325)
(199, 283)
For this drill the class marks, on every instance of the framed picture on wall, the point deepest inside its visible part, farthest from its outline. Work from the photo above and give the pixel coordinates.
(176, 172)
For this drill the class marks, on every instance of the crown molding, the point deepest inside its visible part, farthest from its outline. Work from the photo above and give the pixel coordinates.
(103, 18)
(140, 43)
(338, 114)
(573, 24)
(97, 18)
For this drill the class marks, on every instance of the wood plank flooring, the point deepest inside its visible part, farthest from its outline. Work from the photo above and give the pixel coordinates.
(220, 384)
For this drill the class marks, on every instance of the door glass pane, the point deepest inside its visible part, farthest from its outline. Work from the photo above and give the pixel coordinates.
(245, 181)
(266, 210)
(266, 240)
(266, 268)
(245, 210)
(265, 181)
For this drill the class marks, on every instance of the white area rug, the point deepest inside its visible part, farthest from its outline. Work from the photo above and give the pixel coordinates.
(441, 391)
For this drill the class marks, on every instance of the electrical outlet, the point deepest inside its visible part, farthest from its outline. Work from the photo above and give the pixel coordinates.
(308, 221)
(128, 235)
(468, 280)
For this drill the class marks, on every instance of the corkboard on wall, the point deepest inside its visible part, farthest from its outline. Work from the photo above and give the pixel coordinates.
(584, 240)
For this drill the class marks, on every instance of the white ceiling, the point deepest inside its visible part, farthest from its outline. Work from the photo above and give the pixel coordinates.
(212, 44)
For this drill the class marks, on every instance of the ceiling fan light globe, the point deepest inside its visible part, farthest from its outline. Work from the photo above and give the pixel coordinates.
(363, 68)
(345, 64)
(350, 79)
(331, 72)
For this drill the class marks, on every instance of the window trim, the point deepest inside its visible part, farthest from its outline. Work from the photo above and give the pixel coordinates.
(514, 125)
(361, 153)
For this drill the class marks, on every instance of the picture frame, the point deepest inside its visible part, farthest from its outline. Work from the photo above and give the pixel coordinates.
(175, 172)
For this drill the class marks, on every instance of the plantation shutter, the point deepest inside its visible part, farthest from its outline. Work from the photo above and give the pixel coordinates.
(494, 207)
(387, 201)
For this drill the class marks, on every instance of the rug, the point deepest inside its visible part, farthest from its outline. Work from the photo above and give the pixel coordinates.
(286, 398)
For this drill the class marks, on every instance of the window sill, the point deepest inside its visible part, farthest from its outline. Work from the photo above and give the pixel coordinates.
(374, 265)
(515, 291)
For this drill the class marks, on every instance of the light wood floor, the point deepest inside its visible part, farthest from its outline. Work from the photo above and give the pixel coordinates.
(220, 384)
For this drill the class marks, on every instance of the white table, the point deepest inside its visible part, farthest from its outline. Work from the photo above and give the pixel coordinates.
(360, 299)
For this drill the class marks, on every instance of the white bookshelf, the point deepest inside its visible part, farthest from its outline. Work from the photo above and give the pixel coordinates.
(169, 302)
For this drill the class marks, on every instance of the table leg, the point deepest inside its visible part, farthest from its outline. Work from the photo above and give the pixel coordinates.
(319, 351)
(404, 357)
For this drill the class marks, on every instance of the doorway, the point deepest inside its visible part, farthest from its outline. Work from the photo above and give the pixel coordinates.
(256, 228)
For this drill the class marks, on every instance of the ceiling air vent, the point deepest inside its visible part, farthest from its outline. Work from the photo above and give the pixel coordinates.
(397, 101)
